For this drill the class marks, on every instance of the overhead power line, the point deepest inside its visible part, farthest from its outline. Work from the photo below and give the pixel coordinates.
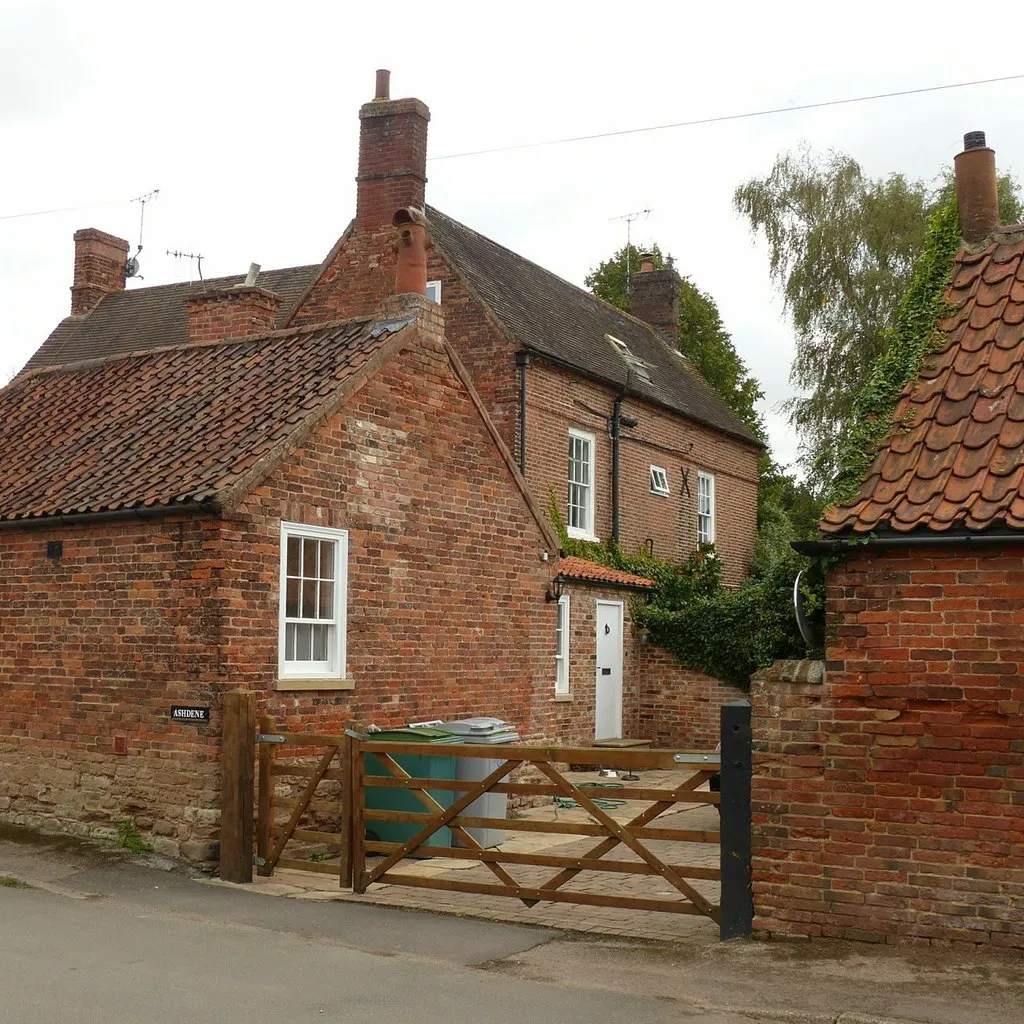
(730, 117)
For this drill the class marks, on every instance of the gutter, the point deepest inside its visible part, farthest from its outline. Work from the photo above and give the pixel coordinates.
(113, 515)
(838, 545)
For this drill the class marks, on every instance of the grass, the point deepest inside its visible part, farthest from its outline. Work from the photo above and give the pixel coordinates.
(10, 882)
(128, 838)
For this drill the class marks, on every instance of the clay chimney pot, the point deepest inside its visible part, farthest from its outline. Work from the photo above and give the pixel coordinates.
(977, 189)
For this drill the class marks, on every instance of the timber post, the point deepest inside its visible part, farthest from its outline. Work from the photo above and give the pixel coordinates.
(737, 903)
(238, 755)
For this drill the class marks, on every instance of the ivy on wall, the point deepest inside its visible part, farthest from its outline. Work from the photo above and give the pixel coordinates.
(914, 334)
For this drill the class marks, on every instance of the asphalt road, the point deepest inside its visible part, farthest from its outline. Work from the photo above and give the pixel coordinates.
(103, 938)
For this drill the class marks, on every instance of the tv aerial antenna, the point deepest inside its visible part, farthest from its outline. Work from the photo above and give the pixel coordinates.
(629, 218)
(198, 257)
(131, 267)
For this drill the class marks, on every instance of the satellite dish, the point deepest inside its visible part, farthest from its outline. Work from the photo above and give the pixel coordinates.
(131, 268)
(809, 629)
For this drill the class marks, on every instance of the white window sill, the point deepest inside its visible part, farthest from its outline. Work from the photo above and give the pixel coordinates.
(661, 494)
(563, 698)
(580, 535)
(322, 683)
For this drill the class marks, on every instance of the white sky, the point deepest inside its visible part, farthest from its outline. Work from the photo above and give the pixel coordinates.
(244, 116)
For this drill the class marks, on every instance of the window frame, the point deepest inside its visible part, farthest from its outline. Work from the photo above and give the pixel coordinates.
(577, 532)
(706, 537)
(660, 488)
(437, 286)
(563, 685)
(334, 670)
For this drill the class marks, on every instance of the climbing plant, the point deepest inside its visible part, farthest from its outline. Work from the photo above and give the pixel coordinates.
(913, 335)
(726, 632)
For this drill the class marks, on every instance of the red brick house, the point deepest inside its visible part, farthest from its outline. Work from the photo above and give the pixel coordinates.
(889, 789)
(298, 485)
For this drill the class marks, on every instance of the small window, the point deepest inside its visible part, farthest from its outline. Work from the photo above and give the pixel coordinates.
(659, 481)
(580, 510)
(314, 580)
(562, 647)
(434, 291)
(705, 508)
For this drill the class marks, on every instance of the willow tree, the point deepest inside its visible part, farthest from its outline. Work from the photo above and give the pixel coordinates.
(842, 248)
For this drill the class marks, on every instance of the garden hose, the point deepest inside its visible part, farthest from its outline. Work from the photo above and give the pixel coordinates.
(566, 803)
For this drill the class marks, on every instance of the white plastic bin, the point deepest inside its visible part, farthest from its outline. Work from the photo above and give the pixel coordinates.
(491, 731)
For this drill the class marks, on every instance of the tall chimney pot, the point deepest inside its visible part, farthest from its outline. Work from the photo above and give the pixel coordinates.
(411, 246)
(383, 84)
(977, 190)
(646, 262)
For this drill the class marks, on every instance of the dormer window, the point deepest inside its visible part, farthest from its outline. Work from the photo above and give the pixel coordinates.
(637, 365)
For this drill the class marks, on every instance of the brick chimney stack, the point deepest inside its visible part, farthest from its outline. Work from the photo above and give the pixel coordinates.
(654, 297)
(392, 156)
(244, 311)
(977, 190)
(99, 268)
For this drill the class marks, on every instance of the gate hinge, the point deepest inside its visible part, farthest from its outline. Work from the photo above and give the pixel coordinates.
(265, 737)
(696, 758)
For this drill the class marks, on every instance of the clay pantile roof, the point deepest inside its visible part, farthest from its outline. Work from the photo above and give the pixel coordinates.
(172, 426)
(955, 459)
(145, 318)
(572, 568)
(550, 316)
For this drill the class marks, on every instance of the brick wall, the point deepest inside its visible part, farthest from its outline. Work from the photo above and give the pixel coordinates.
(446, 584)
(234, 313)
(889, 798)
(554, 399)
(678, 706)
(97, 645)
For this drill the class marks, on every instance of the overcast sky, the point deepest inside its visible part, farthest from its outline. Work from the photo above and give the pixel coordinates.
(244, 115)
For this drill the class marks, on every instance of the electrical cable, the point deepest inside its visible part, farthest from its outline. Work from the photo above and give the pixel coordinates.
(731, 117)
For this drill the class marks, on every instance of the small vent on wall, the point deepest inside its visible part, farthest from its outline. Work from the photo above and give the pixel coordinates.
(55, 550)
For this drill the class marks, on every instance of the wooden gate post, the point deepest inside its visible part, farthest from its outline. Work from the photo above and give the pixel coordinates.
(237, 761)
(737, 910)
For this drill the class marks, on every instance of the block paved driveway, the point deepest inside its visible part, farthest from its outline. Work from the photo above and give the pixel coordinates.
(576, 917)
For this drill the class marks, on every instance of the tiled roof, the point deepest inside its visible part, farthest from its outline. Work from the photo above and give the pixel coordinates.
(143, 318)
(558, 319)
(173, 426)
(955, 460)
(580, 569)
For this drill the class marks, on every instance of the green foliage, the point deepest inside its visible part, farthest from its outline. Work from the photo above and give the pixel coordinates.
(128, 838)
(730, 634)
(912, 336)
(703, 338)
(727, 633)
(842, 249)
(10, 882)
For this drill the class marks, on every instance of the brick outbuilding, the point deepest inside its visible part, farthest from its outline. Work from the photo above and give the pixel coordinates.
(889, 788)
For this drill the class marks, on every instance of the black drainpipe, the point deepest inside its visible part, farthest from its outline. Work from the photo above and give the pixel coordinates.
(618, 421)
(522, 361)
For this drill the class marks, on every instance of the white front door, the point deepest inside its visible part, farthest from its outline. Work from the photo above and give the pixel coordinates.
(608, 705)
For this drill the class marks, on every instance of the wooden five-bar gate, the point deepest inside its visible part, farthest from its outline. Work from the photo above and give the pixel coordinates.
(312, 789)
